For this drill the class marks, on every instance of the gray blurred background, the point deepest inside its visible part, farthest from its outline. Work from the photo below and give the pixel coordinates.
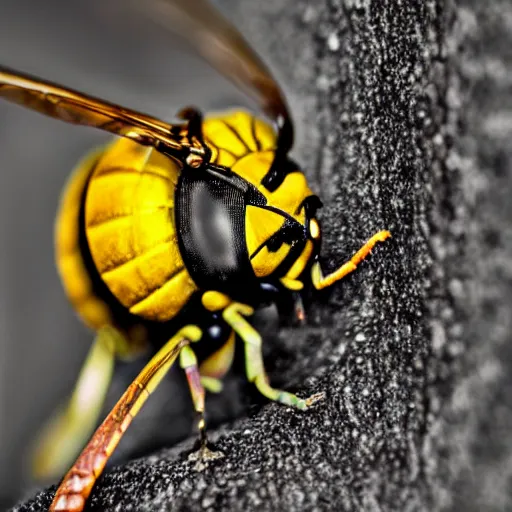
(95, 47)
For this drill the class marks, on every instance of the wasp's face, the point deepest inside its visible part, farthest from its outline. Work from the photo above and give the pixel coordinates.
(283, 235)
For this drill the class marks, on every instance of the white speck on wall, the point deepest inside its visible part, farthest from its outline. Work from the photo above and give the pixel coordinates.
(333, 42)
(322, 82)
(360, 337)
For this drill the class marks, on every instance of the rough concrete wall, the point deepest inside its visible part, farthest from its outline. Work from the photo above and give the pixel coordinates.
(404, 110)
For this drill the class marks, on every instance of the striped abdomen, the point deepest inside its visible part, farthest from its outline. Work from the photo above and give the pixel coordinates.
(128, 220)
(131, 233)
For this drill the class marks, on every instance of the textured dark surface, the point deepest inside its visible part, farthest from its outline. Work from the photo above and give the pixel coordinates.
(409, 122)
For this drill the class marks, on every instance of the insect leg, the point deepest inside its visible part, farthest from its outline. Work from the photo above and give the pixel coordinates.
(319, 281)
(233, 314)
(67, 431)
(188, 361)
(217, 365)
(78, 482)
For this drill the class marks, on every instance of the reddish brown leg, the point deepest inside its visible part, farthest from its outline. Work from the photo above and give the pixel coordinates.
(188, 362)
(76, 486)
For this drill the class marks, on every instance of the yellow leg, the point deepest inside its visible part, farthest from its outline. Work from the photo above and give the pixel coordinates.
(254, 361)
(319, 281)
(217, 365)
(66, 433)
(211, 384)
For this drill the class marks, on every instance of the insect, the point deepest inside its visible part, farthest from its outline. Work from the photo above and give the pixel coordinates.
(172, 235)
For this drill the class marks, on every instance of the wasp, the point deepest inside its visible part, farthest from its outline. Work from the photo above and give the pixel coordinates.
(173, 235)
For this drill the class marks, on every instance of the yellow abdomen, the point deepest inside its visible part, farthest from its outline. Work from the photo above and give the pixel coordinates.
(129, 225)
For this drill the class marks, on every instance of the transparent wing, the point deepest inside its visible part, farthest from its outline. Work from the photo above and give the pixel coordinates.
(223, 47)
(76, 108)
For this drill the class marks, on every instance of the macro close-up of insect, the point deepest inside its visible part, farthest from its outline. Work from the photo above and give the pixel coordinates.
(173, 235)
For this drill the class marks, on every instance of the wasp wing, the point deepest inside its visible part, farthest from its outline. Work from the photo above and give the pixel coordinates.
(77, 108)
(223, 47)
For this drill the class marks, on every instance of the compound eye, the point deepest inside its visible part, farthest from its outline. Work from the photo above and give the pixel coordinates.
(314, 229)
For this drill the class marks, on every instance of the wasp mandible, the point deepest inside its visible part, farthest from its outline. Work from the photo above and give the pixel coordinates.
(172, 235)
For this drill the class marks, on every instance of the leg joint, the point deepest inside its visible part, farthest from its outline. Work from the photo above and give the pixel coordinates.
(187, 357)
